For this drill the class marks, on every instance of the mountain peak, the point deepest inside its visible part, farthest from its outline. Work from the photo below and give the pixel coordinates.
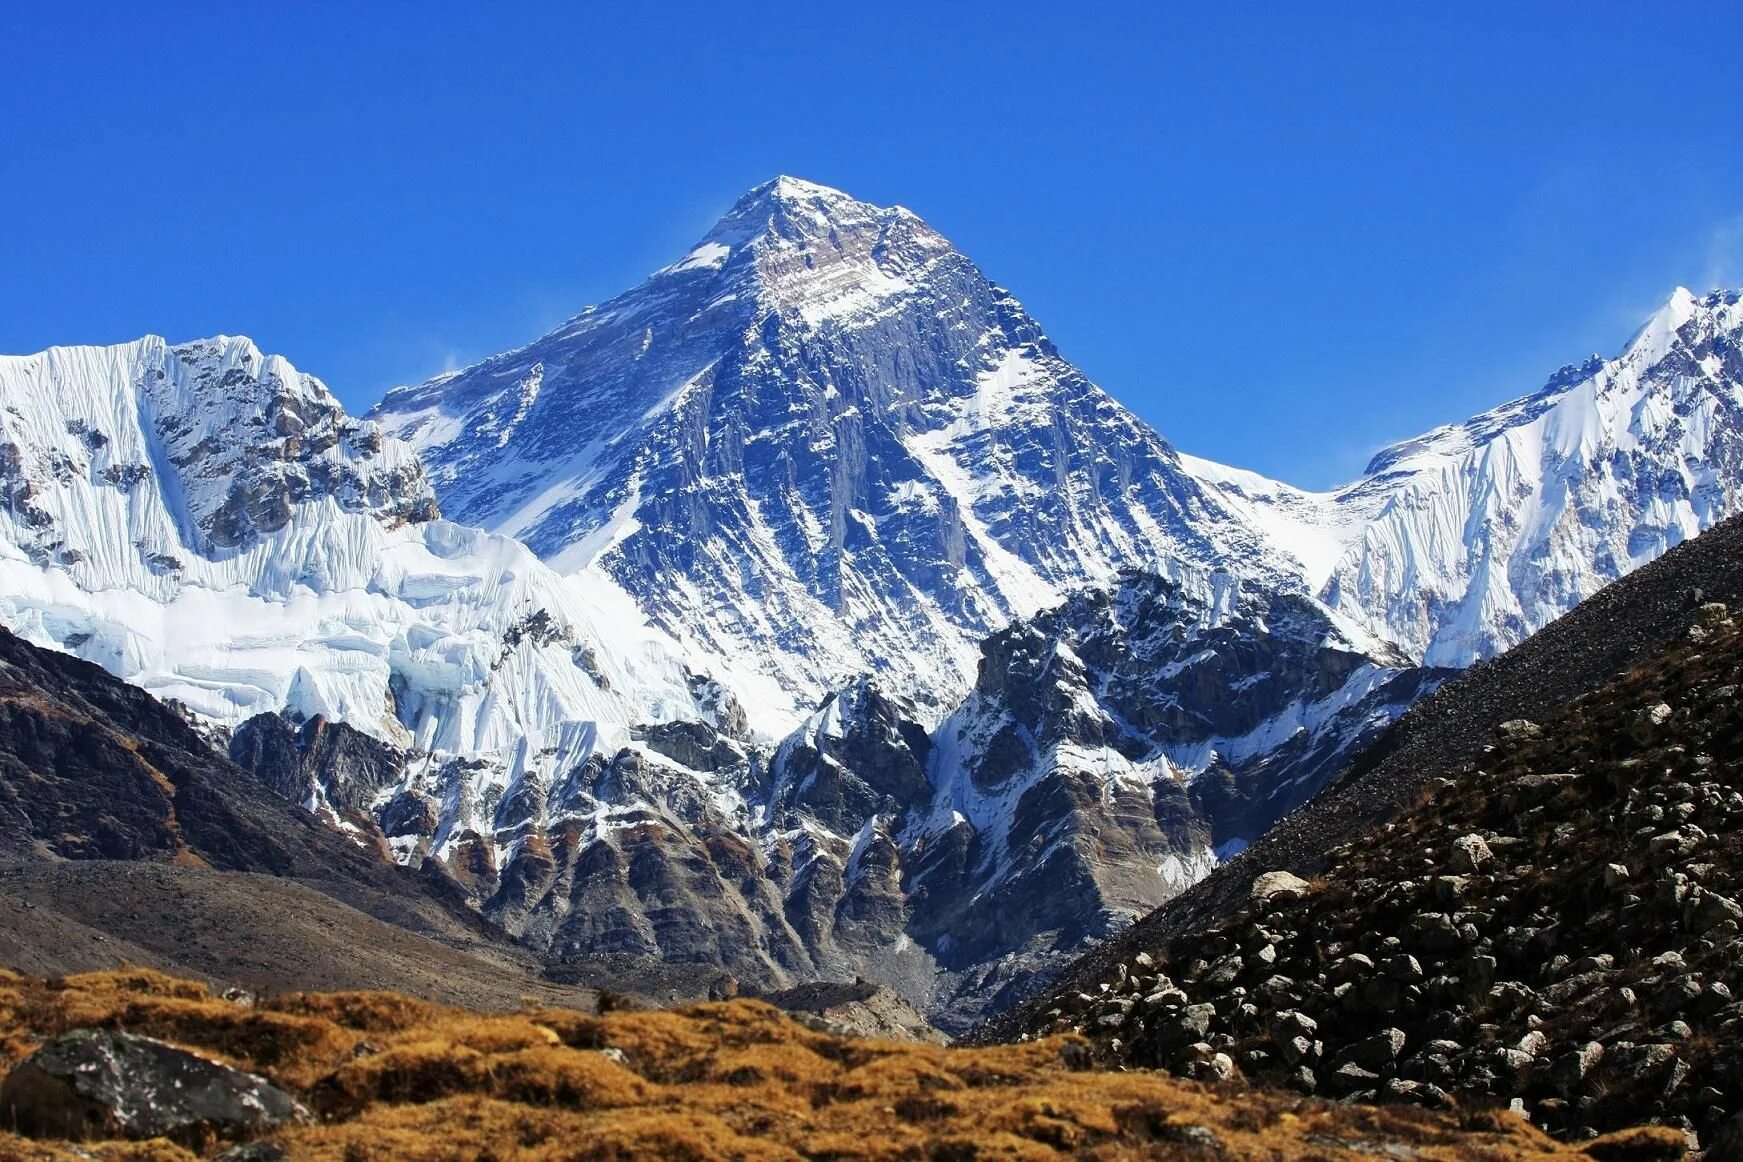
(797, 210)
(785, 188)
(1654, 339)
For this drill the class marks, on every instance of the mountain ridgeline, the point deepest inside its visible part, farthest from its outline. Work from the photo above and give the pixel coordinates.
(802, 613)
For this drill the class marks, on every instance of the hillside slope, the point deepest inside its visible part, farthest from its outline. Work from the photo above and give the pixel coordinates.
(1622, 626)
(392, 1078)
(1556, 925)
(122, 832)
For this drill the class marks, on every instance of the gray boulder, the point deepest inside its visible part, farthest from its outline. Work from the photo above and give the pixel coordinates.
(1278, 887)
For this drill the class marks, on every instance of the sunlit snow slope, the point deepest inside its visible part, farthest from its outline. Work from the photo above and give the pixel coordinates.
(206, 522)
(1460, 543)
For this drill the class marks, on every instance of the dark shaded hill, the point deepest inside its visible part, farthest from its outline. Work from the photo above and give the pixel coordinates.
(262, 933)
(127, 838)
(1622, 626)
(92, 768)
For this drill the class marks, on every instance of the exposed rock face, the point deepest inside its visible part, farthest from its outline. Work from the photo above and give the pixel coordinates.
(103, 1083)
(1110, 745)
(250, 438)
(862, 755)
(1559, 929)
(327, 767)
(857, 1009)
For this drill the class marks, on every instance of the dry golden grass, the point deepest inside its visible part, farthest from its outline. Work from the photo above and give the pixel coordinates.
(401, 1079)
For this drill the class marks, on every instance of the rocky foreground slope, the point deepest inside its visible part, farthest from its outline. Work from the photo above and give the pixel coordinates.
(368, 1076)
(1557, 928)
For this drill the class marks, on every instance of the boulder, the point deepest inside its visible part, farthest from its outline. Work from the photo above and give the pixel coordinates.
(103, 1083)
(1709, 910)
(1470, 853)
(1378, 1051)
(1278, 887)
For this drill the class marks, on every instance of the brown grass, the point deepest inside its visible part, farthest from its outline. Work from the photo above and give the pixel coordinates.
(401, 1079)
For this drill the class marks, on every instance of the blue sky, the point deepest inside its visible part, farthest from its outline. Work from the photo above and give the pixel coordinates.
(1284, 234)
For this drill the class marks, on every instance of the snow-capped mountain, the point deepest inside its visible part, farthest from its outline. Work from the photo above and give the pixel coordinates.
(208, 523)
(830, 623)
(821, 444)
(1460, 543)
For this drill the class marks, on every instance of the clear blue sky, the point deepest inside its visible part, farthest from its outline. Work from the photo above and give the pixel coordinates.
(1284, 233)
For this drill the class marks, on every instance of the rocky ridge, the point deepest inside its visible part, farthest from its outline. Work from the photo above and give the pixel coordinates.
(1556, 929)
(1623, 626)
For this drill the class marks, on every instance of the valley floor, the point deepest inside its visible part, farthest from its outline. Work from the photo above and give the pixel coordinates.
(389, 1077)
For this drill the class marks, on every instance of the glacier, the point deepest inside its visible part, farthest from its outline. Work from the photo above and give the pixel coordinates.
(207, 523)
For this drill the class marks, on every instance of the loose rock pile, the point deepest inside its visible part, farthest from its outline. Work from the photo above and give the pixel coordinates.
(1558, 931)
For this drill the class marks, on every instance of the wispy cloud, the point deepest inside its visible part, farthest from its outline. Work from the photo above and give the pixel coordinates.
(1724, 257)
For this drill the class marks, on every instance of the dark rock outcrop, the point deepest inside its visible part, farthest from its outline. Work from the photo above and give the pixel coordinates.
(103, 1083)
(318, 763)
(92, 768)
